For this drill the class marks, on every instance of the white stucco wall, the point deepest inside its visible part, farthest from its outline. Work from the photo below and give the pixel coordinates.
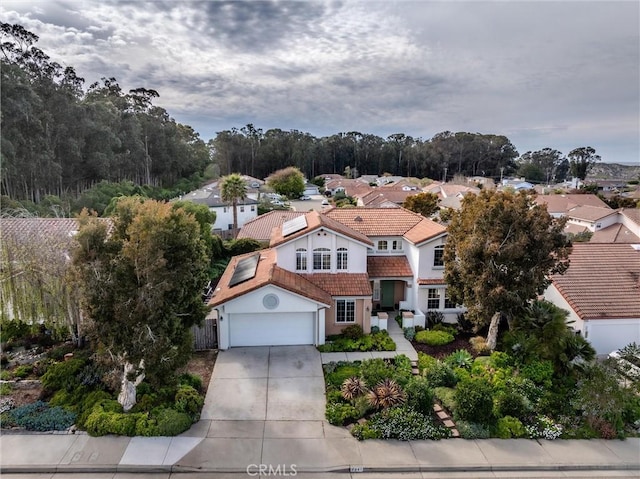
(606, 335)
(552, 295)
(225, 218)
(356, 252)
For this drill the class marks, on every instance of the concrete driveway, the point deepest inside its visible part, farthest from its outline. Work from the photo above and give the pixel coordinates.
(274, 383)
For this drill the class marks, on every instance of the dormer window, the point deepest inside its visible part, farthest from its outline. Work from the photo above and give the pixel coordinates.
(438, 256)
(382, 245)
(342, 258)
(301, 259)
(321, 259)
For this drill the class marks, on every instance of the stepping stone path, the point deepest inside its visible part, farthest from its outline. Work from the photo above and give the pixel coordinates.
(443, 415)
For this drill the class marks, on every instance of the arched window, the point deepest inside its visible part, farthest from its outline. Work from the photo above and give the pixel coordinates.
(321, 258)
(342, 258)
(301, 259)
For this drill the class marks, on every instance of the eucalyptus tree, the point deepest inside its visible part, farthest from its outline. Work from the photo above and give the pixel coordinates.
(581, 160)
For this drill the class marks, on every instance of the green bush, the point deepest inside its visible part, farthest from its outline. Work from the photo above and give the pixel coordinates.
(57, 353)
(39, 416)
(472, 430)
(382, 341)
(192, 380)
(459, 359)
(188, 400)
(511, 403)
(62, 375)
(373, 371)
(353, 331)
(171, 422)
(342, 371)
(89, 401)
(509, 427)
(441, 375)
(446, 396)
(425, 362)
(13, 329)
(334, 395)
(447, 328)
(341, 413)
(365, 431)
(474, 401)
(403, 369)
(22, 371)
(409, 333)
(540, 372)
(419, 395)
(5, 389)
(434, 338)
(5, 375)
(405, 424)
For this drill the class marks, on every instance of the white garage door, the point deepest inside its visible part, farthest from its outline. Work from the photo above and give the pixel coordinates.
(271, 329)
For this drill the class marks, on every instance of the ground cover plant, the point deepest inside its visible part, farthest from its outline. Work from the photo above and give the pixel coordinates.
(352, 338)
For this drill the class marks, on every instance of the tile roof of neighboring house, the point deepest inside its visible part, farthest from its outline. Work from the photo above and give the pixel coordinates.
(261, 227)
(632, 213)
(448, 190)
(44, 229)
(617, 233)
(602, 282)
(341, 284)
(384, 194)
(563, 203)
(424, 230)
(267, 272)
(388, 267)
(386, 222)
(431, 281)
(574, 229)
(316, 221)
(351, 187)
(590, 213)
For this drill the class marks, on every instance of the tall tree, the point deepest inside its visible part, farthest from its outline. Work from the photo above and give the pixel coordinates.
(581, 160)
(539, 166)
(233, 189)
(288, 182)
(500, 251)
(423, 203)
(141, 287)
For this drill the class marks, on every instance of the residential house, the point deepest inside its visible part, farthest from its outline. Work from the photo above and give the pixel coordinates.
(347, 186)
(601, 291)
(247, 208)
(325, 271)
(560, 205)
(625, 230)
(261, 227)
(450, 194)
(592, 218)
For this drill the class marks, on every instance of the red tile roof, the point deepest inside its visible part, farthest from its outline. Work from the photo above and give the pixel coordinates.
(602, 282)
(431, 281)
(260, 228)
(632, 213)
(267, 272)
(563, 203)
(388, 267)
(590, 213)
(617, 233)
(316, 221)
(386, 194)
(341, 284)
(424, 230)
(386, 222)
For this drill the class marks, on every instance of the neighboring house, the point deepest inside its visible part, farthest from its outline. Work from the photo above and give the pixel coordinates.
(517, 184)
(310, 189)
(260, 228)
(385, 197)
(210, 196)
(323, 272)
(559, 205)
(347, 186)
(625, 230)
(592, 218)
(450, 194)
(601, 291)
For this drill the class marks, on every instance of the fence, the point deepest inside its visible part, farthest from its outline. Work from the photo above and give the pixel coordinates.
(205, 336)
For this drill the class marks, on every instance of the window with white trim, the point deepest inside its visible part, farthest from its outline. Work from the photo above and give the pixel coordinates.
(241, 208)
(433, 298)
(253, 207)
(396, 245)
(301, 259)
(322, 258)
(438, 256)
(382, 245)
(341, 258)
(345, 311)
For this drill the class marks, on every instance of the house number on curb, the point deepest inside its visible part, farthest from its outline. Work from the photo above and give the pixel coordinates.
(356, 468)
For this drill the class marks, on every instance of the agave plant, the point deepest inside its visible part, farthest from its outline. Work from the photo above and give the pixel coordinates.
(460, 359)
(352, 388)
(386, 394)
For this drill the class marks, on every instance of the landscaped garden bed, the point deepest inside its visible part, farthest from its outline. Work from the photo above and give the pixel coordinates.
(352, 339)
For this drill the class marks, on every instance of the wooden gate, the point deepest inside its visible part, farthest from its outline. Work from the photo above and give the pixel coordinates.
(205, 336)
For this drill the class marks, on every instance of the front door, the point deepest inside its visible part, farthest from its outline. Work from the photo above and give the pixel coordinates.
(387, 298)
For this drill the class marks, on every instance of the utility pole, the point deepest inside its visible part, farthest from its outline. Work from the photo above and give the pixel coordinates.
(444, 177)
(501, 173)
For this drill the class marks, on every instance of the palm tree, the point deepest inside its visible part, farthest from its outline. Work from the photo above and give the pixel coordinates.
(232, 189)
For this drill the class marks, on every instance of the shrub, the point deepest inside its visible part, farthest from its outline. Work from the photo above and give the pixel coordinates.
(353, 331)
(406, 424)
(434, 338)
(419, 395)
(90, 400)
(447, 328)
(5, 389)
(341, 372)
(375, 329)
(38, 416)
(425, 362)
(62, 375)
(191, 380)
(171, 422)
(374, 371)
(365, 431)
(403, 369)
(543, 427)
(352, 388)
(334, 396)
(433, 318)
(440, 375)
(464, 325)
(446, 396)
(13, 329)
(479, 345)
(511, 403)
(23, 371)
(472, 430)
(459, 359)
(409, 333)
(385, 394)
(5, 375)
(474, 401)
(508, 427)
(382, 341)
(57, 353)
(188, 400)
(540, 372)
(340, 414)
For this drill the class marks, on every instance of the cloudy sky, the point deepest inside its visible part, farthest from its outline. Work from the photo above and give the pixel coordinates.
(545, 74)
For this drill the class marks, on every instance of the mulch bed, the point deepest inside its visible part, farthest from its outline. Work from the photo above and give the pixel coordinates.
(460, 342)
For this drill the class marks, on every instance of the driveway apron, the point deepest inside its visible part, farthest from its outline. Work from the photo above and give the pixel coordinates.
(276, 383)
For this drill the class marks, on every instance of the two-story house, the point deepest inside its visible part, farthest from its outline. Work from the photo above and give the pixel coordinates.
(323, 272)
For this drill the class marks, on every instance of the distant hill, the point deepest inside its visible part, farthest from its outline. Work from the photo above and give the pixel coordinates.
(614, 171)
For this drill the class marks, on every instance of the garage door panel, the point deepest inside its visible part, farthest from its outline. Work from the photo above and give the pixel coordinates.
(271, 329)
